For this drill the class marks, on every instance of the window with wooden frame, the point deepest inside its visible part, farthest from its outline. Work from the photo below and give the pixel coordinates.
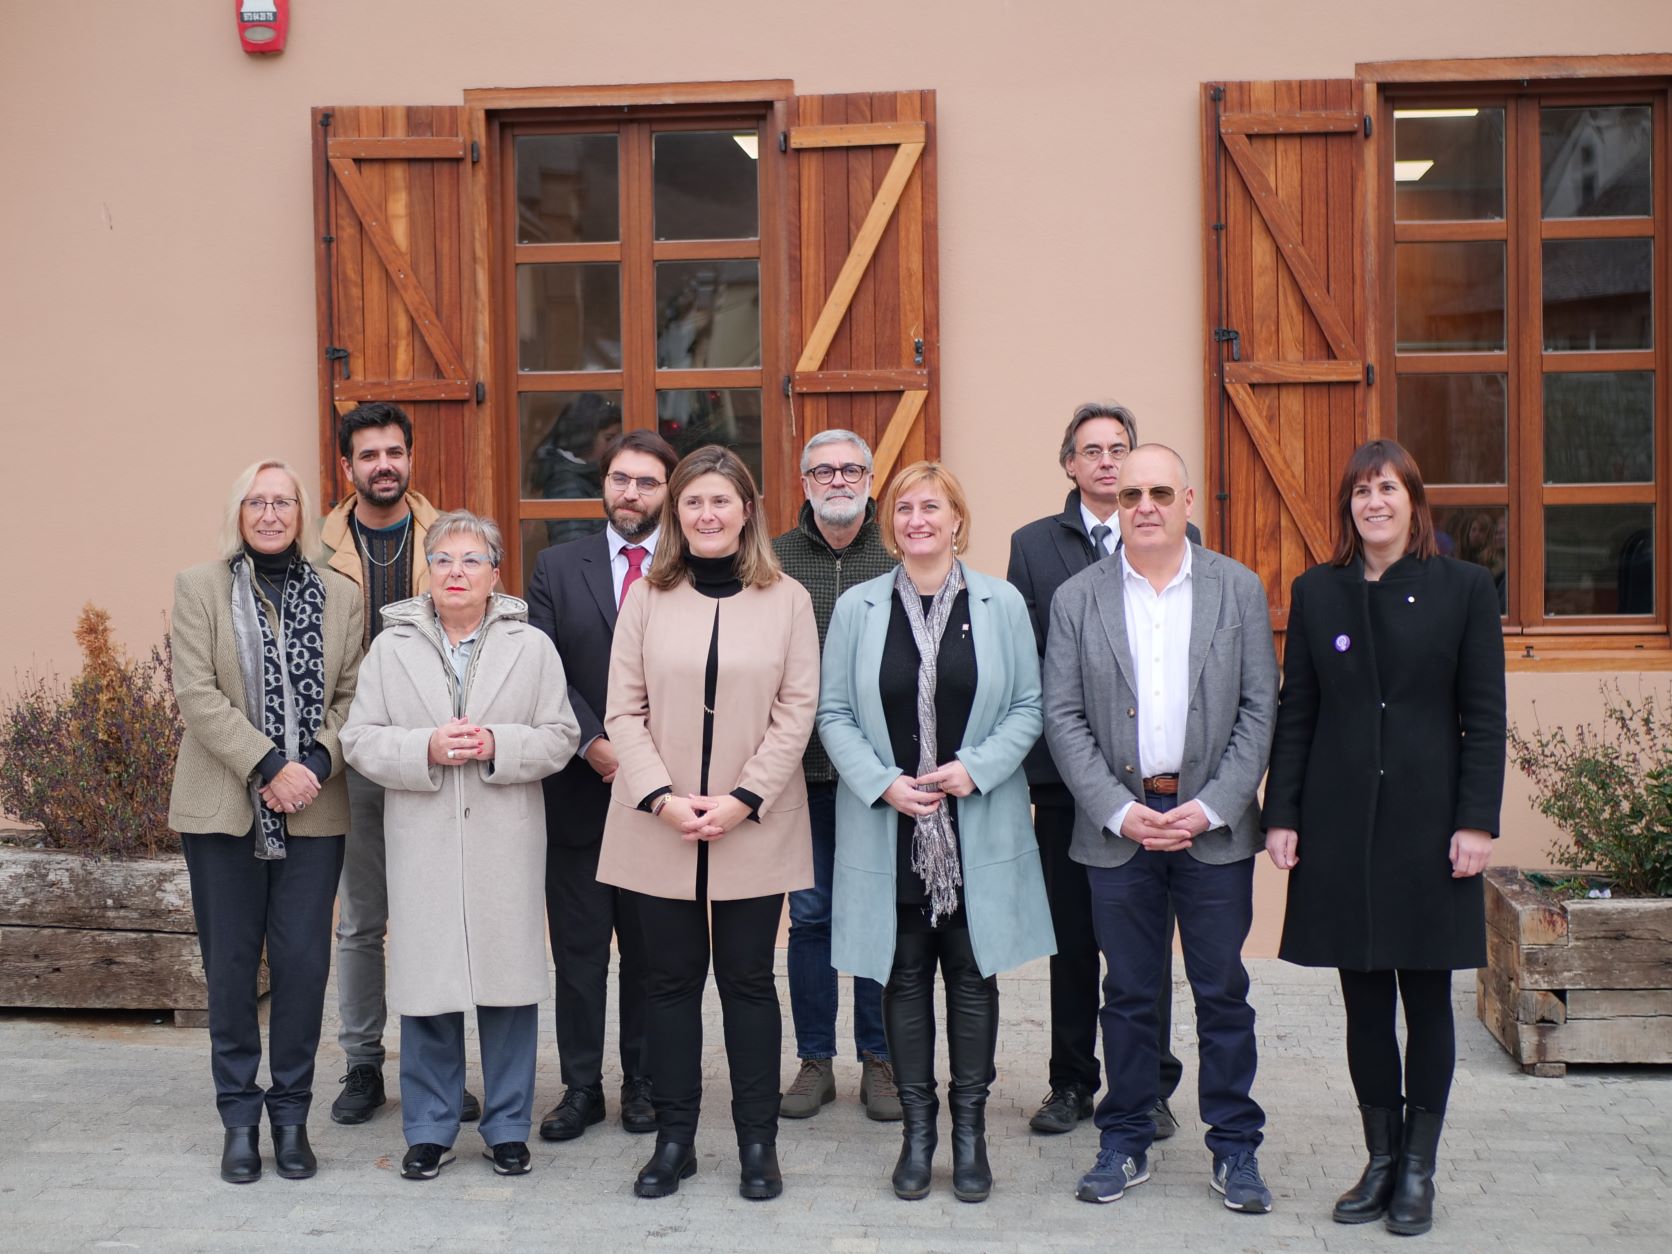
(1470, 257)
(724, 262)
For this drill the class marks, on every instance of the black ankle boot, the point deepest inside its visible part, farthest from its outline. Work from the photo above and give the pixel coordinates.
(292, 1154)
(1368, 1199)
(759, 1178)
(972, 1178)
(241, 1156)
(972, 1034)
(915, 1169)
(669, 1164)
(1411, 1208)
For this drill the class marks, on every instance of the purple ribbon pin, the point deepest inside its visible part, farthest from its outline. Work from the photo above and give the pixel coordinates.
(1343, 643)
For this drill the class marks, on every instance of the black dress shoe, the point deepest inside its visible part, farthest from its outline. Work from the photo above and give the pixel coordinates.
(362, 1094)
(509, 1158)
(670, 1164)
(470, 1110)
(241, 1156)
(638, 1113)
(1162, 1117)
(1063, 1109)
(292, 1154)
(760, 1178)
(574, 1114)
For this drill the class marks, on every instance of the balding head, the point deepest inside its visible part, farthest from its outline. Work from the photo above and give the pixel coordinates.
(1154, 507)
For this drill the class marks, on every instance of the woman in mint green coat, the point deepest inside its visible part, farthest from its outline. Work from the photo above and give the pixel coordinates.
(929, 701)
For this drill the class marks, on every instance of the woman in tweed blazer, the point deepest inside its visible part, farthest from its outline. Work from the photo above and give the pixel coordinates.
(266, 647)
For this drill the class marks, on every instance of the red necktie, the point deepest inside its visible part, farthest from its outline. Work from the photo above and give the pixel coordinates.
(635, 570)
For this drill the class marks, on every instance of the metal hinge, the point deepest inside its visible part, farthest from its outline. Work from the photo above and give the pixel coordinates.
(481, 391)
(1216, 93)
(1225, 335)
(783, 141)
(917, 351)
(325, 118)
(1367, 127)
(475, 152)
(333, 353)
(1369, 375)
(787, 388)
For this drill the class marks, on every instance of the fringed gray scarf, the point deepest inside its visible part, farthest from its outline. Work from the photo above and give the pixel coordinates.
(284, 676)
(934, 845)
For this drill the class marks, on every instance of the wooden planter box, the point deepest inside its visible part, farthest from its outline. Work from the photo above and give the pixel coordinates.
(1582, 982)
(80, 934)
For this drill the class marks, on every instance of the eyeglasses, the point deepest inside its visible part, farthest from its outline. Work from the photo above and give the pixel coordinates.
(470, 563)
(645, 483)
(1093, 453)
(1161, 494)
(256, 506)
(824, 472)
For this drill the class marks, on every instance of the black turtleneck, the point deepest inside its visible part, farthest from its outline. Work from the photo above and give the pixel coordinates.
(714, 576)
(271, 570)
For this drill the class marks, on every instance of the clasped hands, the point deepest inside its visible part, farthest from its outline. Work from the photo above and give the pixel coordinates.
(456, 742)
(291, 789)
(916, 797)
(1164, 832)
(696, 817)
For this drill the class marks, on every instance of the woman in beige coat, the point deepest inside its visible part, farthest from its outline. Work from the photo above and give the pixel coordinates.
(462, 710)
(714, 680)
(259, 800)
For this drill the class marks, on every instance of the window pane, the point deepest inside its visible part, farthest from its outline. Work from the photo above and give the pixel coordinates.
(1599, 559)
(562, 435)
(1478, 534)
(708, 314)
(691, 417)
(538, 533)
(569, 316)
(567, 189)
(1598, 294)
(1456, 426)
(1599, 428)
(1448, 163)
(706, 185)
(1597, 162)
(1449, 297)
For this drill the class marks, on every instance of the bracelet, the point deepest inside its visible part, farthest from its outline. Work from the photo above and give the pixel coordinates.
(657, 805)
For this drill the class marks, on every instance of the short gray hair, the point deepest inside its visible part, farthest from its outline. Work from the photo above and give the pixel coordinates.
(836, 435)
(461, 522)
(1097, 409)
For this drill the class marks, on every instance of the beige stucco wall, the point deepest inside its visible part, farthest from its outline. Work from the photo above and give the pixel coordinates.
(156, 264)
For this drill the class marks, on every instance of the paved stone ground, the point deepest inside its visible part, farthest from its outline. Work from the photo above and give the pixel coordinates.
(109, 1141)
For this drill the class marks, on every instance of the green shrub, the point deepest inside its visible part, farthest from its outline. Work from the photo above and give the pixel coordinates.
(92, 761)
(1609, 791)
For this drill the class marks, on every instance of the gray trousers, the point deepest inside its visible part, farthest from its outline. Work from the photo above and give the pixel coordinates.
(432, 1074)
(362, 918)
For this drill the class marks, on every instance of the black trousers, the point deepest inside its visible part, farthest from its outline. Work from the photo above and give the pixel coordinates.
(1373, 1045)
(908, 1013)
(240, 903)
(582, 914)
(678, 939)
(1077, 966)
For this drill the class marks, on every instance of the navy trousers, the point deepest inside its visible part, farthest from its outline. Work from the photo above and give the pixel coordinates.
(1215, 908)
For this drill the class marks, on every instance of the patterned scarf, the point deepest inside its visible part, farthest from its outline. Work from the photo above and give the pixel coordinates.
(934, 845)
(289, 694)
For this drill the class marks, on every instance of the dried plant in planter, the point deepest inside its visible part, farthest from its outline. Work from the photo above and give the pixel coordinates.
(1609, 790)
(92, 761)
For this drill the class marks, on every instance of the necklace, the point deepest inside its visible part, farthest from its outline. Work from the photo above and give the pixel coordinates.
(366, 549)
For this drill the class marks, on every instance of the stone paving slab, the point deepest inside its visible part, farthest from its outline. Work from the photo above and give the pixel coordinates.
(109, 1141)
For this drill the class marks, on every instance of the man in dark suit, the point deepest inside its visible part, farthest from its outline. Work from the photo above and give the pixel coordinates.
(1160, 685)
(1043, 555)
(574, 595)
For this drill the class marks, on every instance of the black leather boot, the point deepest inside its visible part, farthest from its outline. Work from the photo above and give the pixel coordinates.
(1411, 1208)
(292, 1154)
(241, 1155)
(972, 1033)
(908, 1010)
(669, 1164)
(760, 1178)
(1368, 1199)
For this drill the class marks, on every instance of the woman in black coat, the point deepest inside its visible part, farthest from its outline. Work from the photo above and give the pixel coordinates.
(1387, 773)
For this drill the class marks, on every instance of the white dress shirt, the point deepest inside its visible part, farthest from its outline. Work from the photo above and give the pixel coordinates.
(1092, 520)
(1158, 637)
(618, 557)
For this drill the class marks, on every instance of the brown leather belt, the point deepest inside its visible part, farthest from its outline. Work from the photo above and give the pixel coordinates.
(1164, 785)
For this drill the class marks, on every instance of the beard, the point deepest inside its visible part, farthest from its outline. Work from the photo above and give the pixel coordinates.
(385, 489)
(631, 525)
(839, 511)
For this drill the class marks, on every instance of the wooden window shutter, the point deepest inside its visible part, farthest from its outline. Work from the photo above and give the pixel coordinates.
(395, 272)
(1286, 306)
(864, 280)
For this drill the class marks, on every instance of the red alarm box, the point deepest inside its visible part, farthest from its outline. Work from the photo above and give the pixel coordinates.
(263, 24)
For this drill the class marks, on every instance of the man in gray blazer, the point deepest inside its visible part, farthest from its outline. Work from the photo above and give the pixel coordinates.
(1160, 695)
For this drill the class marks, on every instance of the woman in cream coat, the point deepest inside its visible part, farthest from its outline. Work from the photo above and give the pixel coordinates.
(462, 710)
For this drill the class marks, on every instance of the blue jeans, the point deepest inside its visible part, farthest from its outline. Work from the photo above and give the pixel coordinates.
(812, 978)
(1215, 907)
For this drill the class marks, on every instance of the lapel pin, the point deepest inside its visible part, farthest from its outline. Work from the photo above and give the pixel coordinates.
(1343, 643)
(1411, 600)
